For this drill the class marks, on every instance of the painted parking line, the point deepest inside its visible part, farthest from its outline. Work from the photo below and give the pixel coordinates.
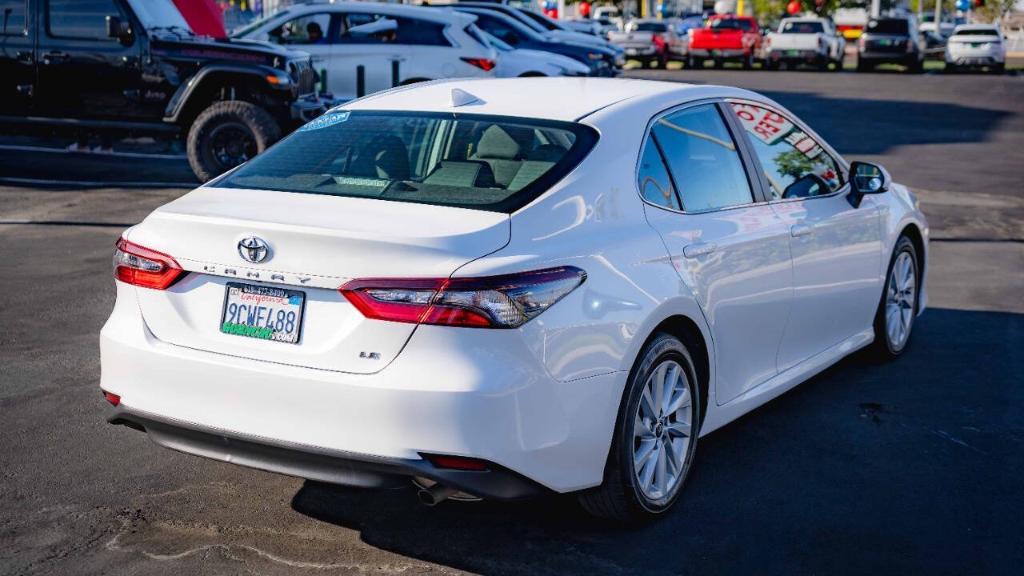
(114, 154)
(96, 183)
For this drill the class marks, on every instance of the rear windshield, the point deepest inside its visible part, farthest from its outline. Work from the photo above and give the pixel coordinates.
(492, 163)
(802, 28)
(730, 24)
(651, 27)
(891, 26)
(977, 32)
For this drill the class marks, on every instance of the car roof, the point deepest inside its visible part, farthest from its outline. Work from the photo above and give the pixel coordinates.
(399, 10)
(558, 98)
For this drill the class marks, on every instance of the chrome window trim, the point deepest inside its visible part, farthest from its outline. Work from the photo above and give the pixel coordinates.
(713, 101)
(840, 161)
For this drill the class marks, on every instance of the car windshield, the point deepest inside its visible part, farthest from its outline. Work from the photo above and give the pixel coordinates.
(158, 14)
(650, 27)
(730, 24)
(977, 32)
(802, 28)
(889, 26)
(492, 163)
(244, 30)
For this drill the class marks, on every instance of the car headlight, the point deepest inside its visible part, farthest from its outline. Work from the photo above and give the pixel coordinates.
(595, 55)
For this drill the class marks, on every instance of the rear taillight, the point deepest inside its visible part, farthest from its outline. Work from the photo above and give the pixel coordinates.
(485, 64)
(140, 266)
(114, 399)
(506, 301)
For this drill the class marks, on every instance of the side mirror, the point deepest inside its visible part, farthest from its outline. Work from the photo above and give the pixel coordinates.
(865, 179)
(118, 29)
(806, 186)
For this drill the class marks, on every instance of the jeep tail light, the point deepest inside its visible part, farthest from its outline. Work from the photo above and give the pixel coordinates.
(140, 266)
(506, 301)
(485, 64)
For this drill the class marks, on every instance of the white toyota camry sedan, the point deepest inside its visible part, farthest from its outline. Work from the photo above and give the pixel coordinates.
(502, 288)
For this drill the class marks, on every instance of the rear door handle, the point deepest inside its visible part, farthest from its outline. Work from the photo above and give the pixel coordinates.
(55, 56)
(699, 249)
(798, 230)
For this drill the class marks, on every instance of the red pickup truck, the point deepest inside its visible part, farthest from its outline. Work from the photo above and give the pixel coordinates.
(725, 37)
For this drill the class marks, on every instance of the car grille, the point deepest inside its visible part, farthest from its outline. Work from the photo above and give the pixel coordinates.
(303, 75)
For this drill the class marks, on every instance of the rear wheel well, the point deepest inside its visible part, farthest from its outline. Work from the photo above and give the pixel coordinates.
(687, 331)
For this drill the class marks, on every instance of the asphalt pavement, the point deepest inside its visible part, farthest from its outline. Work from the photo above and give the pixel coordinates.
(910, 467)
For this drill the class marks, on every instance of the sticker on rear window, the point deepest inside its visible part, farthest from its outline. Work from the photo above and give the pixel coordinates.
(329, 119)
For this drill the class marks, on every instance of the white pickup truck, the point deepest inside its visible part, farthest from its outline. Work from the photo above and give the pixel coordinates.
(805, 40)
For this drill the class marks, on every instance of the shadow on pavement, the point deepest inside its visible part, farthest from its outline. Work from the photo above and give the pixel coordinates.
(862, 126)
(907, 467)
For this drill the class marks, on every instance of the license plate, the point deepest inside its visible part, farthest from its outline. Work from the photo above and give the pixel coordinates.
(631, 51)
(975, 45)
(885, 42)
(263, 312)
(792, 52)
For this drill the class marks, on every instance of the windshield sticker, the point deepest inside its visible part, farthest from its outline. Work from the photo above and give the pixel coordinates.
(329, 119)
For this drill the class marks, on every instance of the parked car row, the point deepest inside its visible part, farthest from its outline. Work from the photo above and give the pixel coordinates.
(805, 40)
(363, 47)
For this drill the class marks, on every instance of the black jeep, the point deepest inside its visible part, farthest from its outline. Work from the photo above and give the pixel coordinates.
(133, 67)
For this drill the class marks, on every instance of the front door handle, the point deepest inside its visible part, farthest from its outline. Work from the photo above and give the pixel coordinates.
(24, 56)
(798, 230)
(699, 249)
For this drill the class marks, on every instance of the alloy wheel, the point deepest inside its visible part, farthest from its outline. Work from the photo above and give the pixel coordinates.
(900, 300)
(662, 431)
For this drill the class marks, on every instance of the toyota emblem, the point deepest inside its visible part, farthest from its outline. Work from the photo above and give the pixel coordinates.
(253, 249)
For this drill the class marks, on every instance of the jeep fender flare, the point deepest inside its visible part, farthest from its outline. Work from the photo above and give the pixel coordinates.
(183, 95)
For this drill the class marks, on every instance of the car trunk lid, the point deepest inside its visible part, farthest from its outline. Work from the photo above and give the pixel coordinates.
(316, 243)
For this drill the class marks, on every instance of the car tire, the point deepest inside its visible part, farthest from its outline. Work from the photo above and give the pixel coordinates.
(999, 69)
(227, 134)
(951, 69)
(644, 433)
(897, 309)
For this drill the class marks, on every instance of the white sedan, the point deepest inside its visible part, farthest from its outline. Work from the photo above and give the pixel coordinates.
(362, 47)
(514, 62)
(501, 296)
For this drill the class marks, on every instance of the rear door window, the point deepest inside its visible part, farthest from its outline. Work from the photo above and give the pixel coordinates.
(13, 21)
(472, 161)
(80, 19)
(653, 179)
(703, 159)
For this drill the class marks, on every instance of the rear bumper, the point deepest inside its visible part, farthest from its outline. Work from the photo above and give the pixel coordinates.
(888, 58)
(967, 60)
(718, 53)
(809, 56)
(317, 463)
(475, 393)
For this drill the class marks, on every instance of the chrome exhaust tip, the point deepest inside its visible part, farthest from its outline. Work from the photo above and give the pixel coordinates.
(435, 494)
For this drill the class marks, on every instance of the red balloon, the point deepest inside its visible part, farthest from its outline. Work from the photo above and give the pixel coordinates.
(793, 8)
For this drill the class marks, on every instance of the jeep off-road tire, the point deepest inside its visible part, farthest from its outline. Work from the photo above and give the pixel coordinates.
(227, 134)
